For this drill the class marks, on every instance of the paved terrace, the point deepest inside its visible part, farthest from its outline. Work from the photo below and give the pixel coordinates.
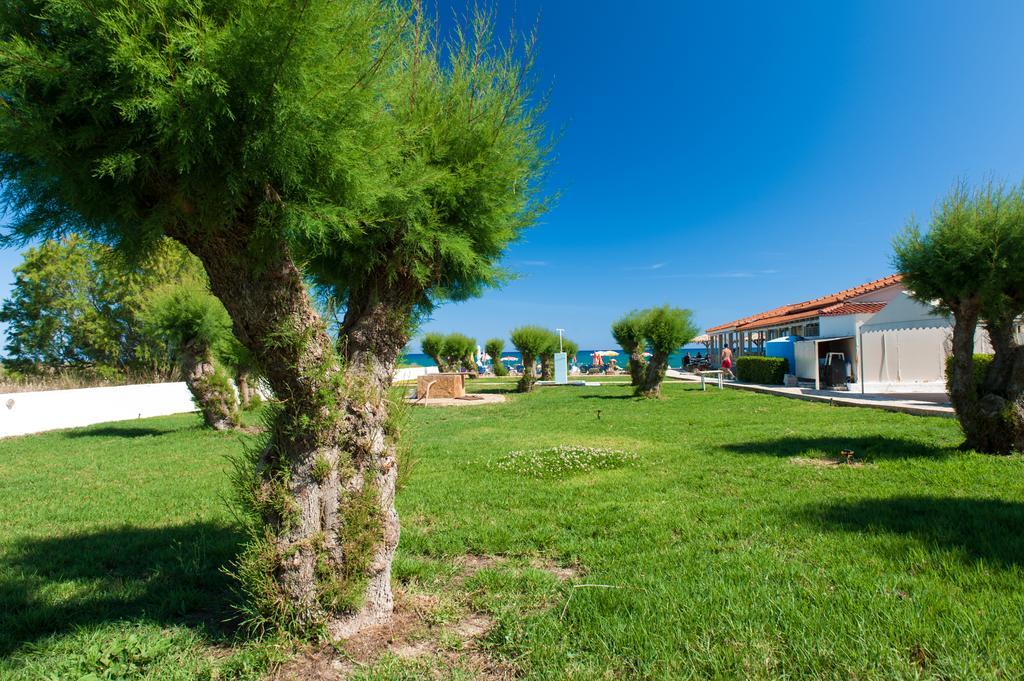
(920, 404)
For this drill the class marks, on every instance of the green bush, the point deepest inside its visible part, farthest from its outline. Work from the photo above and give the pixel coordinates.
(981, 365)
(768, 370)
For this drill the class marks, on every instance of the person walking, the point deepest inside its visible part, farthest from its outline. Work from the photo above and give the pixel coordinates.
(727, 362)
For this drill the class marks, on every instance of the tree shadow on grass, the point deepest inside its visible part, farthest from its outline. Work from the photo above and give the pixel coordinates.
(497, 390)
(869, 448)
(169, 575)
(609, 397)
(984, 529)
(121, 431)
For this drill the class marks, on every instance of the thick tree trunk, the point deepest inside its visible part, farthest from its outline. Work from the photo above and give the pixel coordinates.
(244, 391)
(992, 414)
(547, 367)
(318, 494)
(656, 368)
(374, 331)
(637, 368)
(1000, 408)
(209, 387)
(962, 389)
(528, 378)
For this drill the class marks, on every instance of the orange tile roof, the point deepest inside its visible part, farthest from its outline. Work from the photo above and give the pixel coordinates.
(852, 308)
(825, 305)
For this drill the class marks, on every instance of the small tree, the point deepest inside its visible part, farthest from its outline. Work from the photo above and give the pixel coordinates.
(530, 341)
(457, 352)
(433, 347)
(547, 357)
(196, 325)
(665, 330)
(971, 261)
(628, 332)
(495, 347)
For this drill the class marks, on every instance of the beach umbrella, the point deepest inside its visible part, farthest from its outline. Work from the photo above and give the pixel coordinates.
(646, 354)
(606, 353)
(509, 359)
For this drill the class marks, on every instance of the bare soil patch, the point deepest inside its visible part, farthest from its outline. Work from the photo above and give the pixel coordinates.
(414, 633)
(476, 399)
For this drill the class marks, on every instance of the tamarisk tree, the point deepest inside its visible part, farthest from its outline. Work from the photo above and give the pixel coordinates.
(331, 143)
(665, 330)
(458, 352)
(628, 332)
(971, 260)
(494, 348)
(461, 185)
(433, 347)
(547, 357)
(530, 341)
(197, 327)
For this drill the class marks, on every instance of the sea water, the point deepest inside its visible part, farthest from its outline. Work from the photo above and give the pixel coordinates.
(583, 358)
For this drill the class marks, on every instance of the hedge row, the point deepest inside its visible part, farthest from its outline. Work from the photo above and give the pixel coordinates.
(768, 370)
(981, 364)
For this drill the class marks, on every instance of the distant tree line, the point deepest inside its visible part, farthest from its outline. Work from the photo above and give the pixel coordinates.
(79, 307)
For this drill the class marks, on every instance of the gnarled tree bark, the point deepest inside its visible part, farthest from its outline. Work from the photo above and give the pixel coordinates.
(373, 332)
(209, 388)
(324, 498)
(547, 367)
(653, 377)
(528, 378)
(637, 368)
(991, 413)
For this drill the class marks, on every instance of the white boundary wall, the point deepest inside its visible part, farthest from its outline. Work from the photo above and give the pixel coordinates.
(36, 412)
(22, 413)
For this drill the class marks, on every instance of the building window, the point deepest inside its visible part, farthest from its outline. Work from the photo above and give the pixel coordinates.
(812, 329)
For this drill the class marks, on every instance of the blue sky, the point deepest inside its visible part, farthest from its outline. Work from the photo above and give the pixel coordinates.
(730, 157)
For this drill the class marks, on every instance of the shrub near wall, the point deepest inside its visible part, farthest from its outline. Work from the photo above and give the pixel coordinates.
(768, 370)
(981, 364)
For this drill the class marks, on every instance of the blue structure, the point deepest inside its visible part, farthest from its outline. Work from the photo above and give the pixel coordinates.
(784, 346)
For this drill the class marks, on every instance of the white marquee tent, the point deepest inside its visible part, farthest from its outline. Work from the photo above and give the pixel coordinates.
(904, 348)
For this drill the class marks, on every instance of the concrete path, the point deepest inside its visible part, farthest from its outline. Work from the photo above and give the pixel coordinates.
(920, 404)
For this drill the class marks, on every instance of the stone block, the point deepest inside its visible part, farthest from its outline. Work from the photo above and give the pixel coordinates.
(440, 385)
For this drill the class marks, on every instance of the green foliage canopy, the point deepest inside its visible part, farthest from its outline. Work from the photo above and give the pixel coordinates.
(189, 314)
(972, 252)
(628, 332)
(433, 346)
(463, 175)
(122, 119)
(495, 347)
(666, 329)
(531, 341)
(458, 350)
(76, 303)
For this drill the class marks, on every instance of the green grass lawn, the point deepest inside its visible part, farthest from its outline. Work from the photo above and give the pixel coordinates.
(718, 555)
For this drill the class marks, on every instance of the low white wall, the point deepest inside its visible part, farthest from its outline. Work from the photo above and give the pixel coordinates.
(36, 412)
(411, 373)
